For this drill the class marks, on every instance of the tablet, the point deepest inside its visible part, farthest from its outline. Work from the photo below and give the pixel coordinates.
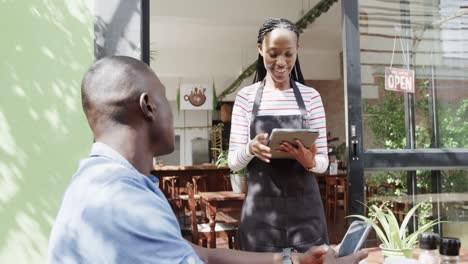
(279, 135)
(354, 238)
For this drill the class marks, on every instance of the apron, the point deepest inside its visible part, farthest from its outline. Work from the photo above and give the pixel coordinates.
(282, 207)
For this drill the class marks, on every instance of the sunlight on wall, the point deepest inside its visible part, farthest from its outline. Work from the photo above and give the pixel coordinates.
(9, 171)
(46, 47)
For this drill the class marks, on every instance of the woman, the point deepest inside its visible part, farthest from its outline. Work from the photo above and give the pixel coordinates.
(282, 207)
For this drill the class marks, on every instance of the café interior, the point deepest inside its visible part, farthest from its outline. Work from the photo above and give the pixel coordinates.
(211, 45)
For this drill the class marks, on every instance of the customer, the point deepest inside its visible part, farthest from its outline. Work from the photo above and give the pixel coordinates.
(282, 207)
(113, 210)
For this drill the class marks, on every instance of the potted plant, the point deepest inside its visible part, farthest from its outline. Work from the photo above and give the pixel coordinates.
(396, 242)
(238, 178)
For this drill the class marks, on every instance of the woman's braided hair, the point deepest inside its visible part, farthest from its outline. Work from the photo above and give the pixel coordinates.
(267, 27)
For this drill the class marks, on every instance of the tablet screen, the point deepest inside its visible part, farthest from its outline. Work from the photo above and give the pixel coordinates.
(279, 135)
(354, 238)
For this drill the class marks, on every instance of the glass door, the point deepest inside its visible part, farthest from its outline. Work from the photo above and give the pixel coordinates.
(407, 145)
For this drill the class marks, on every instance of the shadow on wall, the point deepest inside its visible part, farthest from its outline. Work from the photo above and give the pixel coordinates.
(45, 49)
(109, 38)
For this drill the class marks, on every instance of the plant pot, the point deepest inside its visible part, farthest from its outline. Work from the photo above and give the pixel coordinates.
(396, 253)
(226, 112)
(238, 183)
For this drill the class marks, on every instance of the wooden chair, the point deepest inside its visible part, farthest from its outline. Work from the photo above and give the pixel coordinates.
(200, 232)
(170, 190)
(169, 186)
(199, 183)
(400, 209)
(342, 193)
(371, 190)
(330, 203)
(336, 190)
(227, 182)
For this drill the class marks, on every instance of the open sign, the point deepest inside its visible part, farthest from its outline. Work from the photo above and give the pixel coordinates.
(399, 80)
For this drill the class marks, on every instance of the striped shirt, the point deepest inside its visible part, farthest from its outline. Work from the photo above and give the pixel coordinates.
(275, 102)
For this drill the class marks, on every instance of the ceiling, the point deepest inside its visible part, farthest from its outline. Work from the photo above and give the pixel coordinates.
(206, 40)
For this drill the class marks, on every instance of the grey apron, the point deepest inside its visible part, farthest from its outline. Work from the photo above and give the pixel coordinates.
(282, 207)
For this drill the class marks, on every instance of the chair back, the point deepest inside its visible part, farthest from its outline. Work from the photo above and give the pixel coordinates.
(193, 212)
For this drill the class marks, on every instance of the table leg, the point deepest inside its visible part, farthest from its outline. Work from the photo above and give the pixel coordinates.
(211, 211)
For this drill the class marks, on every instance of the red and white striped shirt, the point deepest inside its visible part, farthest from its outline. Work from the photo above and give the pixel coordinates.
(275, 102)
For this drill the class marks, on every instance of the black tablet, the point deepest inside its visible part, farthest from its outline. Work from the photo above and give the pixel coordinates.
(279, 135)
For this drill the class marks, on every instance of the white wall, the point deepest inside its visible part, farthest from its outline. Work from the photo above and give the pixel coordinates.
(210, 40)
(205, 41)
(188, 125)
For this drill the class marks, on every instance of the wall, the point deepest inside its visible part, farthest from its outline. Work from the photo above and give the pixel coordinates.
(332, 93)
(46, 47)
(224, 66)
(202, 41)
(118, 28)
(189, 125)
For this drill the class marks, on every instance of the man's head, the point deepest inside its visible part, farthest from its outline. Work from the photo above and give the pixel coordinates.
(123, 94)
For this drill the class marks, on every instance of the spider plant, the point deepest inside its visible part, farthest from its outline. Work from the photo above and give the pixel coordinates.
(391, 234)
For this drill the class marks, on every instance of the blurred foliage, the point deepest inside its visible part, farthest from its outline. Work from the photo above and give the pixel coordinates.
(386, 121)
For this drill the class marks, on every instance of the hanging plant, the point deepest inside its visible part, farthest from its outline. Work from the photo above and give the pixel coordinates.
(246, 73)
(320, 8)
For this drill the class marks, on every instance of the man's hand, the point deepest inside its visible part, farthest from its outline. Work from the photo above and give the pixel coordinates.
(306, 157)
(258, 148)
(312, 256)
(332, 257)
(326, 255)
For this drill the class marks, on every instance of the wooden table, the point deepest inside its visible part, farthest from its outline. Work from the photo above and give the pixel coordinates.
(376, 257)
(323, 177)
(323, 186)
(322, 181)
(214, 179)
(216, 201)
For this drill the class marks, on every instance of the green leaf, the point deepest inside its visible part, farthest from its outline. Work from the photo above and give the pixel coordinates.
(377, 229)
(386, 226)
(408, 218)
(382, 219)
(394, 230)
(410, 241)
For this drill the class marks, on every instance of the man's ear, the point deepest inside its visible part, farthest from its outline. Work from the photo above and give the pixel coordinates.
(147, 108)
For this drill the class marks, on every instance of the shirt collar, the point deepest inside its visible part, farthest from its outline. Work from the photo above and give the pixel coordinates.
(103, 150)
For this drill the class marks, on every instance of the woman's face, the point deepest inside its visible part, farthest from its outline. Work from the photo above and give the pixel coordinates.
(279, 51)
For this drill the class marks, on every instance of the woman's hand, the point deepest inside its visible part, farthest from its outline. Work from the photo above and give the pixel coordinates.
(258, 148)
(306, 157)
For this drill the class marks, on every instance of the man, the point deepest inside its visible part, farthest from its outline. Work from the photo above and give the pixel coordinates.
(113, 211)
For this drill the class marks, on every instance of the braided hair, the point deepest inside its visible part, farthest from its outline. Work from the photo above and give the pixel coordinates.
(267, 27)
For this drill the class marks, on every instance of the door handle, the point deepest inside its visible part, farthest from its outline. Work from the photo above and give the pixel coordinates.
(354, 143)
